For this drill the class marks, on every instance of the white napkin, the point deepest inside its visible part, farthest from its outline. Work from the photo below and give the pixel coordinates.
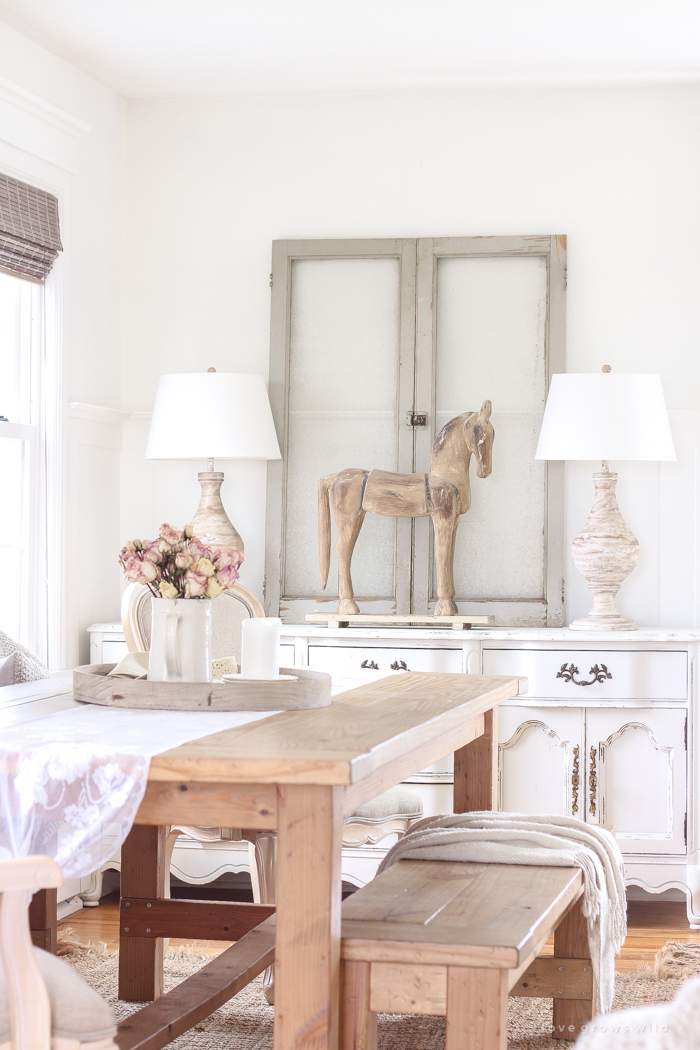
(133, 665)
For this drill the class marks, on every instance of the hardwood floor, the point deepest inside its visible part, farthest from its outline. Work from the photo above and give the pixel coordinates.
(650, 925)
(102, 924)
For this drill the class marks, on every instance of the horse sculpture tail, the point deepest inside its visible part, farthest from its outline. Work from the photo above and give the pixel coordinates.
(324, 528)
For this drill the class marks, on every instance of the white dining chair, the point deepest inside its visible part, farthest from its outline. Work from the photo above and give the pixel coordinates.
(44, 1003)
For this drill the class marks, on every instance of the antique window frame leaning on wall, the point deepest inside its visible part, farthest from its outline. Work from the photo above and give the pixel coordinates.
(419, 262)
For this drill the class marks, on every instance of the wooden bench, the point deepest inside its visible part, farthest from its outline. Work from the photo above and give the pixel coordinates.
(452, 938)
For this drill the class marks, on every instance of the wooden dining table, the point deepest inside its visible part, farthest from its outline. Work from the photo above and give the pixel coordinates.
(297, 773)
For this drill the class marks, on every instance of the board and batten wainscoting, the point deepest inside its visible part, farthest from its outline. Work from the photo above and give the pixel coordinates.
(607, 732)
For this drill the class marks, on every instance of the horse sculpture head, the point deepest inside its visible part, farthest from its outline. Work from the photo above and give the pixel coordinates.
(471, 433)
(479, 435)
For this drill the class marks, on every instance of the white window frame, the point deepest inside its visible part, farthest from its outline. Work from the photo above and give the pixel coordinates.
(45, 624)
(54, 511)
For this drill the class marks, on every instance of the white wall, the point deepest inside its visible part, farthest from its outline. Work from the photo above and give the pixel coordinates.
(210, 183)
(61, 130)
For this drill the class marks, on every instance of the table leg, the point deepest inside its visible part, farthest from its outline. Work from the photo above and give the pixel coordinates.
(143, 875)
(307, 951)
(476, 769)
(42, 919)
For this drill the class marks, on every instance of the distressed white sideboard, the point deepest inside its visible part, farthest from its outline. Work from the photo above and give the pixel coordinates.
(607, 731)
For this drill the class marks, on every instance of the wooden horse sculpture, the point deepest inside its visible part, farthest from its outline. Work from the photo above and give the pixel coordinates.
(443, 494)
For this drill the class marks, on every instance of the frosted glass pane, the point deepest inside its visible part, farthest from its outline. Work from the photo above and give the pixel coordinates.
(15, 354)
(343, 379)
(491, 317)
(12, 537)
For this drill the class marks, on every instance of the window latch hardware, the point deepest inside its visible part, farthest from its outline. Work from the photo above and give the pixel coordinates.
(417, 419)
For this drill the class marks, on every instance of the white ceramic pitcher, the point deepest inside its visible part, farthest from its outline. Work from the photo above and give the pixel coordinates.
(180, 640)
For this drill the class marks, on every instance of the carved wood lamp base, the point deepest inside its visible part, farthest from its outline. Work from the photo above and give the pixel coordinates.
(211, 524)
(605, 552)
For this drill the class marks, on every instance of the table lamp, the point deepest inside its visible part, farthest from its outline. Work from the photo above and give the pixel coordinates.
(212, 415)
(605, 416)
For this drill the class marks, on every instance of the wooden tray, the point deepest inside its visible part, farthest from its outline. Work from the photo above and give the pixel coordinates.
(311, 689)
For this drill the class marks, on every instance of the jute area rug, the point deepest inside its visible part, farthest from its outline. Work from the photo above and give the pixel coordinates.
(245, 1022)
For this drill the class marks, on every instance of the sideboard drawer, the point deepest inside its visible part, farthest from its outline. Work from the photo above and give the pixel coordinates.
(287, 655)
(113, 651)
(594, 674)
(436, 798)
(349, 661)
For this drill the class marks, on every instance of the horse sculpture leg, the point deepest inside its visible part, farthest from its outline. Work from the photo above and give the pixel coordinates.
(346, 499)
(445, 515)
(445, 535)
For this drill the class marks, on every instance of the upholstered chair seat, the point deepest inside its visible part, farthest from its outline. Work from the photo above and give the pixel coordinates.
(79, 1016)
(44, 1003)
(392, 812)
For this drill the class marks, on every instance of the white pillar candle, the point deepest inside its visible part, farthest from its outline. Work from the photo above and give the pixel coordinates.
(260, 647)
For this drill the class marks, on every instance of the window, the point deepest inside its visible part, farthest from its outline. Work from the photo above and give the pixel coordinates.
(366, 335)
(30, 457)
(20, 343)
(20, 459)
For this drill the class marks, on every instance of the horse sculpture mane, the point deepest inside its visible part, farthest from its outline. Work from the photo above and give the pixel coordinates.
(443, 494)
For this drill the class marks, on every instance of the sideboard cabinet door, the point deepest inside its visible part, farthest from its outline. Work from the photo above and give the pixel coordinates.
(636, 777)
(540, 760)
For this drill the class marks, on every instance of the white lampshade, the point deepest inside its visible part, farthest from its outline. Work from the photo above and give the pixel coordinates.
(604, 416)
(200, 415)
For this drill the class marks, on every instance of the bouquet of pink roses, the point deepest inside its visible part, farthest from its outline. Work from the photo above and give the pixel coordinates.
(178, 565)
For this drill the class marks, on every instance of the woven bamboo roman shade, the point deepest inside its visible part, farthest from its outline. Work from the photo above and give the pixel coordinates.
(30, 238)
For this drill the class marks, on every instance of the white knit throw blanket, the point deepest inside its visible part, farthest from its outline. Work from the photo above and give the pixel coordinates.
(560, 842)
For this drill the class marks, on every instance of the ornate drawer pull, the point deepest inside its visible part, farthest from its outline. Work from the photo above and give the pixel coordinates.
(575, 782)
(600, 673)
(369, 665)
(593, 783)
(399, 665)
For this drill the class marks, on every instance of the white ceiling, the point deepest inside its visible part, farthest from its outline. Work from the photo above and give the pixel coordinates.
(183, 48)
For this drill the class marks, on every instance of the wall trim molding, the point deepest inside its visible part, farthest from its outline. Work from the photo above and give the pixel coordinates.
(97, 413)
(38, 154)
(37, 107)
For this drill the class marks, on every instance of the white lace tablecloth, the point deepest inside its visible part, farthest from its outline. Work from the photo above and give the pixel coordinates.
(72, 782)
